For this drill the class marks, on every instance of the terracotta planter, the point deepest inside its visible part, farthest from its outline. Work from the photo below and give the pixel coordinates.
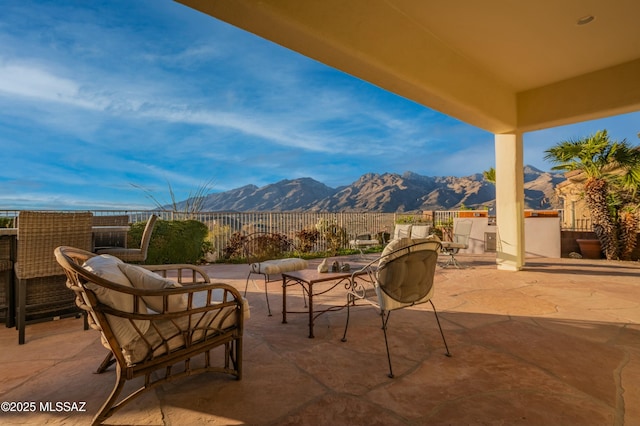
(590, 249)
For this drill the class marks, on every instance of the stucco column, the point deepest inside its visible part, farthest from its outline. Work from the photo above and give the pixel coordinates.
(510, 201)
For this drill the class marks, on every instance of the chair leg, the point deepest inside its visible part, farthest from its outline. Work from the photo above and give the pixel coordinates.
(452, 260)
(266, 293)
(385, 320)
(22, 307)
(237, 357)
(108, 408)
(267, 280)
(440, 327)
(109, 359)
(233, 355)
(346, 325)
(246, 285)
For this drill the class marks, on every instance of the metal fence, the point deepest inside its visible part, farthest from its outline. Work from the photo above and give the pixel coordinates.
(222, 225)
(583, 224)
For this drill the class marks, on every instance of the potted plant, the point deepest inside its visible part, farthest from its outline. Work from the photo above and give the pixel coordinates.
(590, 248)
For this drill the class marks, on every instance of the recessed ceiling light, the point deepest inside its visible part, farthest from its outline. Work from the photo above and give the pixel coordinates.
(585, 20)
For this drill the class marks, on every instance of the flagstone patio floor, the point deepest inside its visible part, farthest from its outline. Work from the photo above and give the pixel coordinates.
(557, 343)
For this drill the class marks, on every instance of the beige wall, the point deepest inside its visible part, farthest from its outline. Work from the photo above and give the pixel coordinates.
(541, 235)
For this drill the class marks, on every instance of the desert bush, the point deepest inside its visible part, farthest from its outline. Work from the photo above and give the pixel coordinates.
(260, 246)
(307, 238)
(175, 241)
(334, 235)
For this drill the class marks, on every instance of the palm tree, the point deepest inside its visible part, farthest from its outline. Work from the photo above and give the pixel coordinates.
(612, 171)
(490, 175)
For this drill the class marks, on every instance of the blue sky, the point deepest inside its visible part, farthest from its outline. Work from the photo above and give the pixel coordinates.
(101, 98)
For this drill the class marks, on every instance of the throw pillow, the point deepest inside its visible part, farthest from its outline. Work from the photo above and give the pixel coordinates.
(144, 279)
(106, 267)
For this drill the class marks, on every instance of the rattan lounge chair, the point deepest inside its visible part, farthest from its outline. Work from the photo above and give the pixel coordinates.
(41, 290)
(402, 277)
(155, 328)
(132, 254)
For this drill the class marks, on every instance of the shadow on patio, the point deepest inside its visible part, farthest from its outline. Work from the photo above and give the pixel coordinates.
(557, 343)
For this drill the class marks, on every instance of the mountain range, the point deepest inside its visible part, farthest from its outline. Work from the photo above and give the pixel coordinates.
(387, 193)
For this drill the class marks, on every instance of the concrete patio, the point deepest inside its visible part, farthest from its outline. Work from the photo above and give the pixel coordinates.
(555, 344)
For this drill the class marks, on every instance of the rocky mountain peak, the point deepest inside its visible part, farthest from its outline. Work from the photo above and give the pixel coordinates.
(388, 192)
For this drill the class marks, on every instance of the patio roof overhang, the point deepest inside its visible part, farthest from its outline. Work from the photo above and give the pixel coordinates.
(499, 65)
(505, 66)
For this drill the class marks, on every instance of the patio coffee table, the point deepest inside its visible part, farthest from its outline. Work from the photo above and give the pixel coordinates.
(307, 278)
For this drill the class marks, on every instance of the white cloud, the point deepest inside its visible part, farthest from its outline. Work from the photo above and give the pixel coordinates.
(24, 81)
(149, 92)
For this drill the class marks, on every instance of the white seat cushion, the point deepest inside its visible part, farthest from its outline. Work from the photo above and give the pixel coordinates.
(195, 327)
(402, 230)
(364, 242)
(202, 325)
(278, 266)
(420, 231)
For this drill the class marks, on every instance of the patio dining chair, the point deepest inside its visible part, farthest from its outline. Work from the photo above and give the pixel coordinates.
(111, 239)
(459, 242)
(132, 254)
(42, 293)
(402, 277)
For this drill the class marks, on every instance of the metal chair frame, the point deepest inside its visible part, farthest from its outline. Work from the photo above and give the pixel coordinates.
(424, 252)
(460, 241)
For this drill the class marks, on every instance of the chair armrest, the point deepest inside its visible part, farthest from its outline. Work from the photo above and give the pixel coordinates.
(362, 282)
(182, 272)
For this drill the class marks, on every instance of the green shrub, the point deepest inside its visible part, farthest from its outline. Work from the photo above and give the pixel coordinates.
(176, 241)
(6, 222)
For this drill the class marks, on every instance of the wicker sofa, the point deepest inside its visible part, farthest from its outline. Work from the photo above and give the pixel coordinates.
(156, 325)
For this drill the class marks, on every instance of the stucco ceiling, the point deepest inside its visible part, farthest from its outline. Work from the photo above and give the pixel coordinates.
(502, 65)
(528, 44)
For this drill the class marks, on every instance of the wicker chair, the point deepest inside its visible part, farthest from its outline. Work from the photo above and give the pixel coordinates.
(41, 290)
(132, 254)
(150, 323)
(110, 239)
